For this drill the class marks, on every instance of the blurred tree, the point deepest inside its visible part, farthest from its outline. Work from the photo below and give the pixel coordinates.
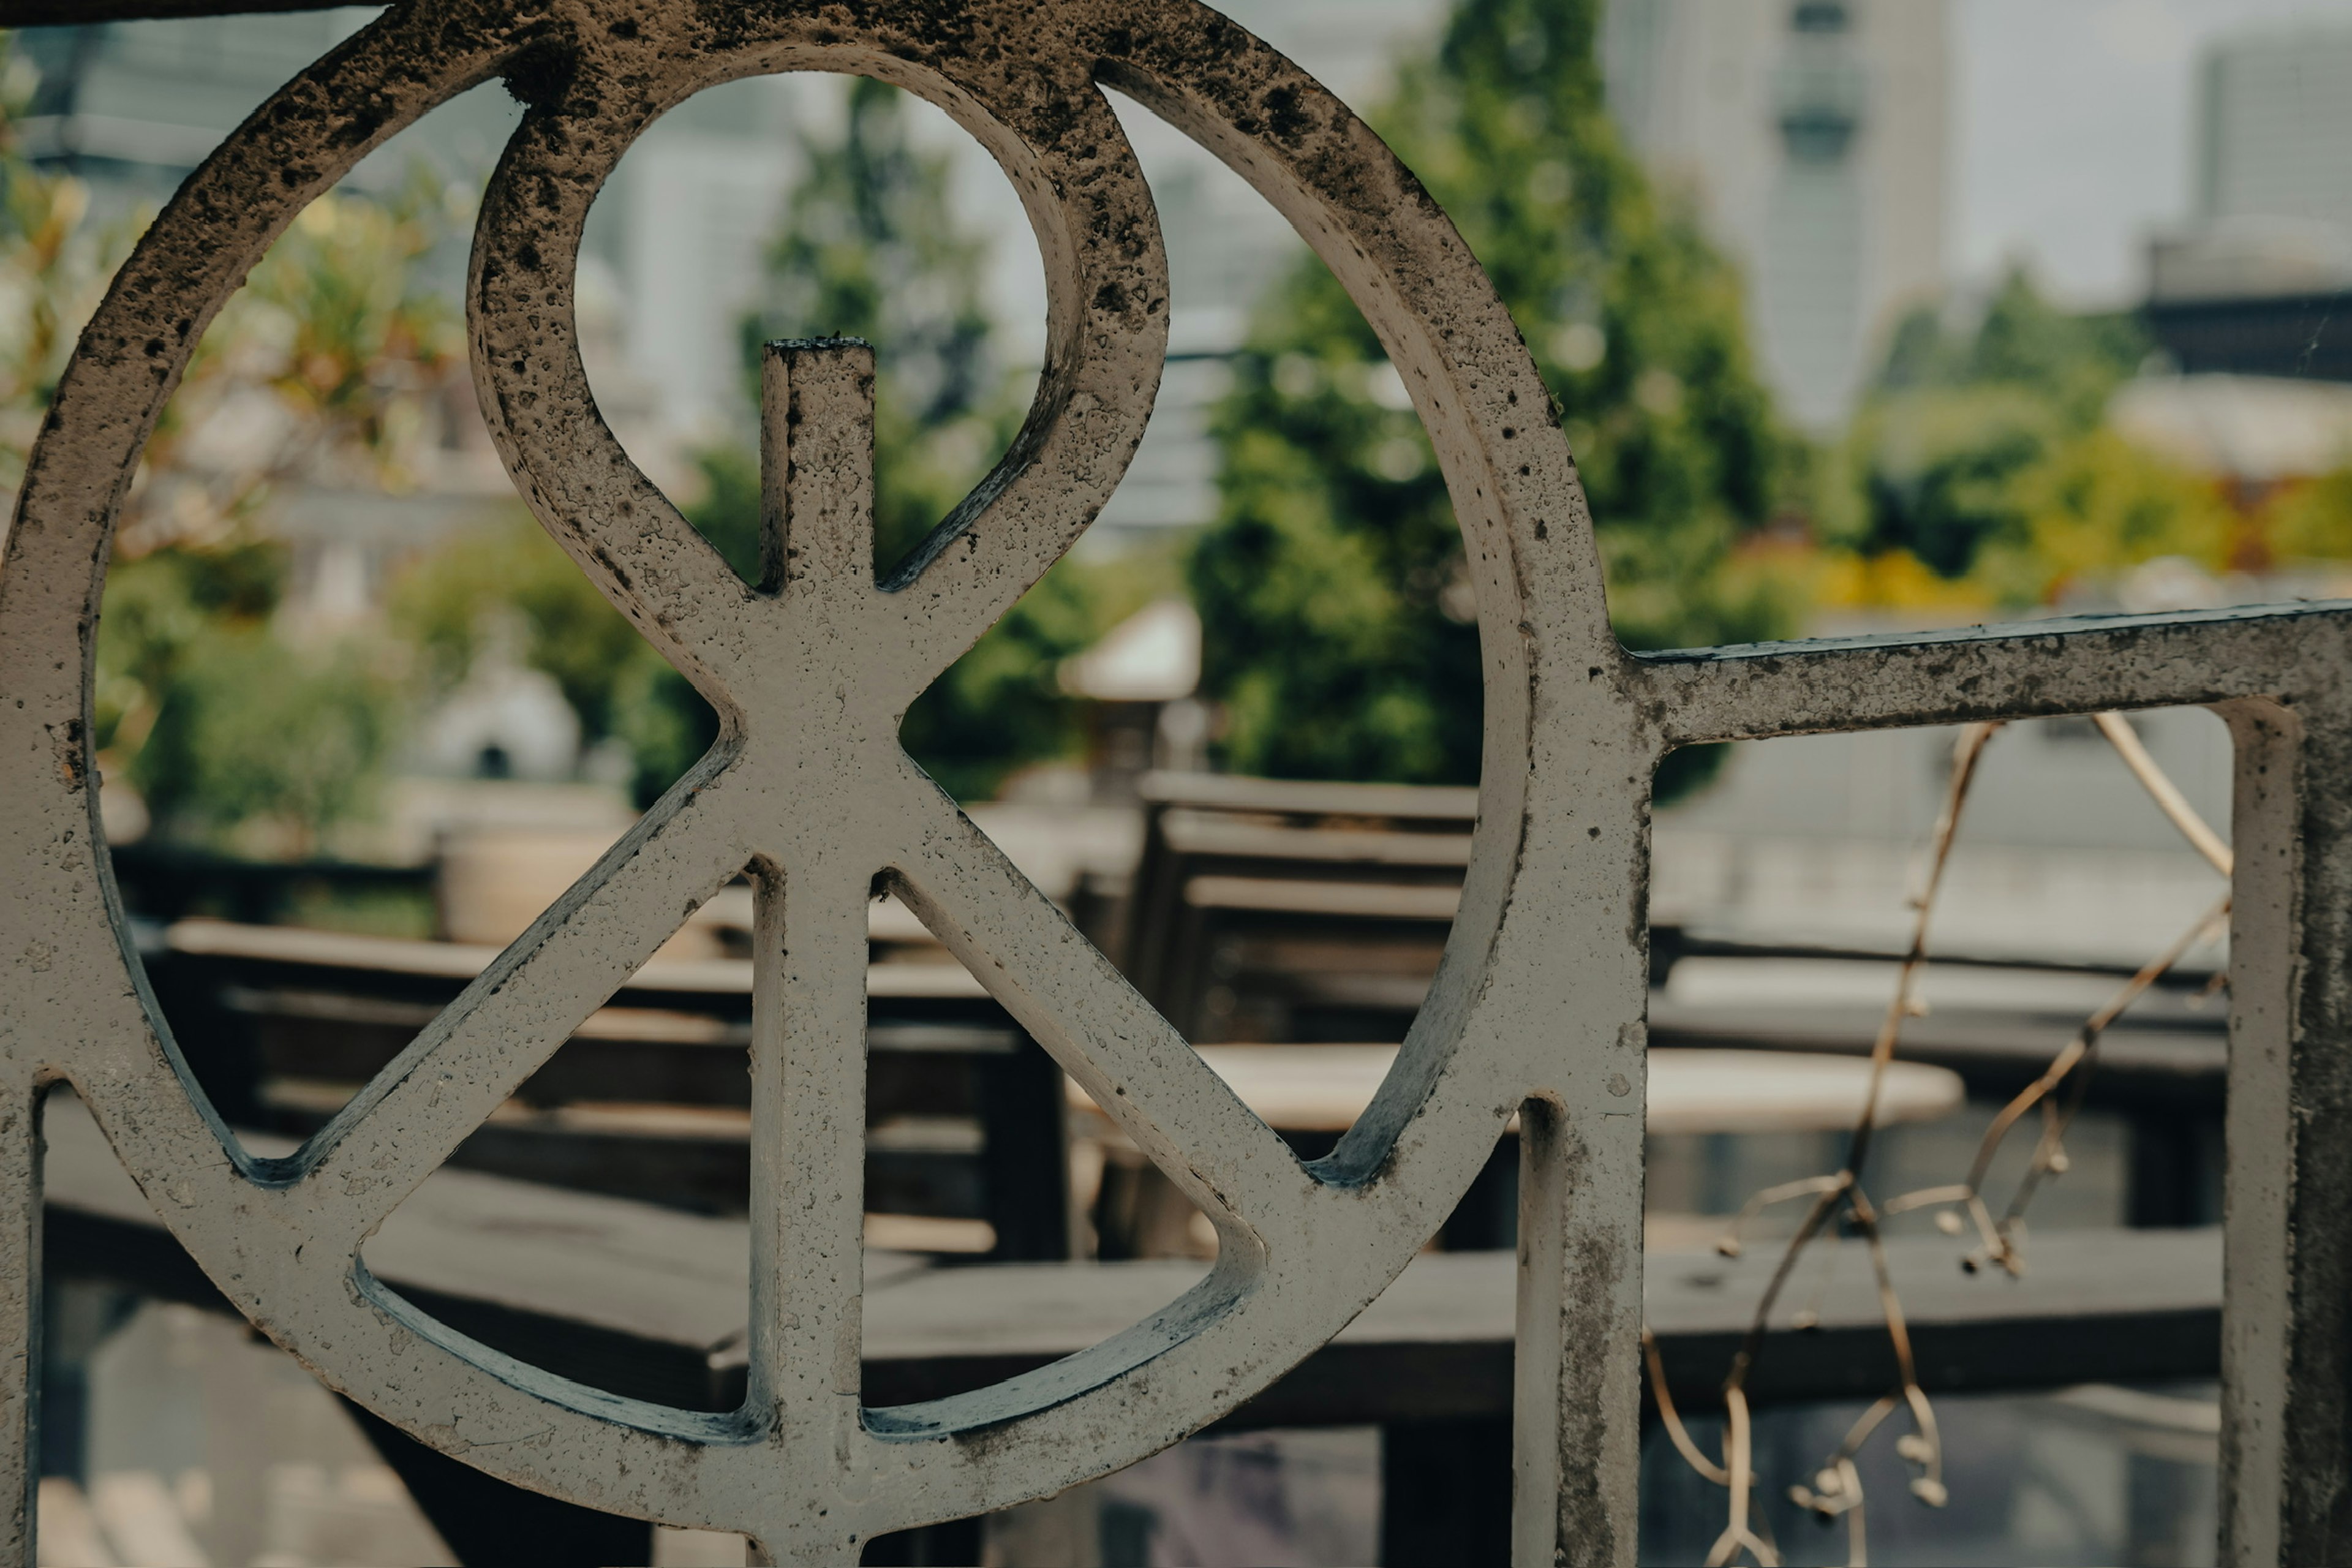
(2095, 503)
(1971, 429)
(870, 248)
(2313, 522)
(446, 601)
(53, 266)
(322, 369)
(1341, 635)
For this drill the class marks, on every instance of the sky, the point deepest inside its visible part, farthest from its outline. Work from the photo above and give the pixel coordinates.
(2072, 123)
(2071, 131)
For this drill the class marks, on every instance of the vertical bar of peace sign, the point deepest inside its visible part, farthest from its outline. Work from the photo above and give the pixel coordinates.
(1538, 1006)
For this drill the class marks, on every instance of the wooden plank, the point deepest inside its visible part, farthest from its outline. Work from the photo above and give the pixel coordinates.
(374, 956)
(1322, 851)
(1235, 791)
(2095, 1307)
(1343, 901)
(2179, 1064)
(1324, 1089)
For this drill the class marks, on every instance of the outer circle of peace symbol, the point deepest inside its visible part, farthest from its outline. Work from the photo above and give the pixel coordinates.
(1538, 1000)
(812, 671)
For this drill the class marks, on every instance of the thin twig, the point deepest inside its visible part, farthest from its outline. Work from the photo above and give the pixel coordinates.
(1833, 1190)
(1677, 1433)
(1837, 1489)
(2163, 791)
(1997, 1236)
(1739, 1533)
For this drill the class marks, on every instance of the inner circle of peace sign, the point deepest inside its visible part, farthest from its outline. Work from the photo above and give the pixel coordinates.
(811, 670)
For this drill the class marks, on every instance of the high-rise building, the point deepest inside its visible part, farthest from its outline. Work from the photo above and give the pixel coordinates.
(2274, 119)
(2253, 282)
(1811, 136)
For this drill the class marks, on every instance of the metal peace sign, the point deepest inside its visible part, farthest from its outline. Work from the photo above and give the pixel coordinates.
(1537, 1009)
(812, 670)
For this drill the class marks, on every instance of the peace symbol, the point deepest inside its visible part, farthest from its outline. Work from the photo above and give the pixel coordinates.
(812, 669)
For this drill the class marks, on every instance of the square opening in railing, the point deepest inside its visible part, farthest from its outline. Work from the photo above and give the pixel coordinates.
(1938, 1039)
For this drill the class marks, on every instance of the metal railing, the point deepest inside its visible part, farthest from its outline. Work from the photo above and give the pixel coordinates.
(1538, 1007)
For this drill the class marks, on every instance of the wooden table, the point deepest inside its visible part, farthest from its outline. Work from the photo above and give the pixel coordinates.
(651, 1095)
(650, 1302)
(1323, 1088)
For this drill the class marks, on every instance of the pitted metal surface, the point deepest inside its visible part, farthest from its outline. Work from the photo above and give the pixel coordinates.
(1539, 1004)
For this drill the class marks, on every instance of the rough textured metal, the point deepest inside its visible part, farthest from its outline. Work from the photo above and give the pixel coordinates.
(1540, 1000)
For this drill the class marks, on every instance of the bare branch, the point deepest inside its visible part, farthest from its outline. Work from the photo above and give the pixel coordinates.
(2166, 793)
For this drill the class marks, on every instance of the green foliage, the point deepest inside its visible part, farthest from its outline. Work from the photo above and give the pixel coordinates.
(1938, 468)
(335, 324)
(321, 368)
(505, 568)
(159, 611)
(2095, 503)
(220, 725)
(2314, 521)
(53, 267)
(728, 514)
(1941, 449)
(227, 727)
(1340, 631)
(249, 736)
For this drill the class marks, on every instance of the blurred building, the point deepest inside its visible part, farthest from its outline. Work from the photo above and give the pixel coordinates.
(2258, 280)
(1811, 133)
(1812, 137)
(2274, 117)
(133, 107)
(2061, 855)
(1226, 244)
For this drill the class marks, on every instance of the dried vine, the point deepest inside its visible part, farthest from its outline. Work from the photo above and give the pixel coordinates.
(1836, 1490)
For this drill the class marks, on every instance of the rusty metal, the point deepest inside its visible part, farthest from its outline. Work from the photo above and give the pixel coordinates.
(1538, 1007)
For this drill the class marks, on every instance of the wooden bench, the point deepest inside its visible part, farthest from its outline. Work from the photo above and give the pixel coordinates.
(1312, 1094)
(2162, 1069)
(1281, 910)
(651, 1097)
(651, 1303)
(1277, 910)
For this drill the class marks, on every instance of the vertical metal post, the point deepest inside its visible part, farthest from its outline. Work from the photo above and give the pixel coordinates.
(808, 1003)
(1576, 1409)
(2286, 1454)
(20, 1319)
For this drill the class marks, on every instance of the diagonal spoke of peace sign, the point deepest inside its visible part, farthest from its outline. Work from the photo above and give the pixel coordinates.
(1538, 1006)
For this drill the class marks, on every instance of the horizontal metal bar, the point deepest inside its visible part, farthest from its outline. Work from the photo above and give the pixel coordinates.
(1671, 945)
(88, 13)
(2078, 664)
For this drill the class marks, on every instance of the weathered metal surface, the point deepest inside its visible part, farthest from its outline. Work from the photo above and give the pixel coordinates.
(1540, 1000)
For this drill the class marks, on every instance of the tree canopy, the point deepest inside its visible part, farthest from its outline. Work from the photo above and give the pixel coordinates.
(233, 727)
(1340, 631)
(1981, 470)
